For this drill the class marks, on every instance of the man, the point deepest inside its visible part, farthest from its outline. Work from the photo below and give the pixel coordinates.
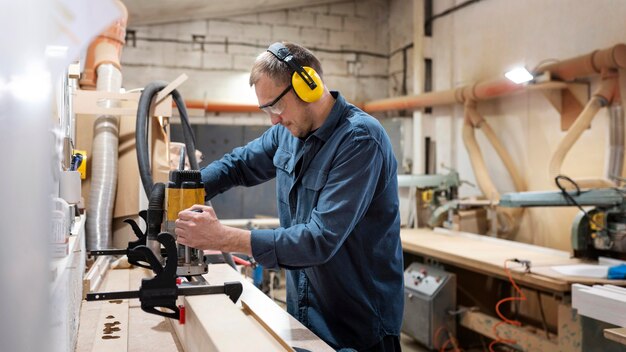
(336, 181)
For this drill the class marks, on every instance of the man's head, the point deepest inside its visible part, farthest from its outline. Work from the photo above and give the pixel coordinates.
(272, 81)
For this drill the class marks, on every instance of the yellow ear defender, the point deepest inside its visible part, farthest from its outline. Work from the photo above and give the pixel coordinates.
(305, 81)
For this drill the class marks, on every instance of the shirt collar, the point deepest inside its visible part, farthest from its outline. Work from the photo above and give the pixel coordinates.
(328, 127)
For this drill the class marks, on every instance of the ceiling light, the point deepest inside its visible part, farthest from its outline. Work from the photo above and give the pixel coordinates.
(519, 75)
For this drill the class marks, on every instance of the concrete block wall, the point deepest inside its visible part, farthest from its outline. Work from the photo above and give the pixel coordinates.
(351, 39)
(400, 38)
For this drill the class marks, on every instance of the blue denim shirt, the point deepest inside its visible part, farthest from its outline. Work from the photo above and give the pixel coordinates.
(339, 238)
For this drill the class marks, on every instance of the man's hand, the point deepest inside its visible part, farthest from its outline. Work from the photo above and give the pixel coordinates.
(198, 227)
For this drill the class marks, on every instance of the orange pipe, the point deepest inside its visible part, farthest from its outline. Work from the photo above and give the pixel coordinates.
(412, 101)
(106, 48)
(581, 66)
(589, 64)
(220, 107)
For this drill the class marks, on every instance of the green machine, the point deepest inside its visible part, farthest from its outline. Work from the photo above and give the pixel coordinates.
(600, 231)
(437, 195)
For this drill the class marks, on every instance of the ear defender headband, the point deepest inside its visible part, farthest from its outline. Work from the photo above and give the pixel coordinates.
(305, 81)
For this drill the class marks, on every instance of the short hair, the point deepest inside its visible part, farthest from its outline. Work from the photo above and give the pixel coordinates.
(267, 64)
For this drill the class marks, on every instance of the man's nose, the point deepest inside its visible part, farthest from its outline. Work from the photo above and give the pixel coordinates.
(276, 119)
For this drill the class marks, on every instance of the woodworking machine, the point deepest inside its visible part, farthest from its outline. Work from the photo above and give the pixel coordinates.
(599, 231)
(436, 194)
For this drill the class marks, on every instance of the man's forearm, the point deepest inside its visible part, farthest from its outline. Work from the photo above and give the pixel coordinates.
(236, 240)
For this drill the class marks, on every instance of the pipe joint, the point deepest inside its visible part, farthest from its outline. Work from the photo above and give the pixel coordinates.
(607, 90)
(603, 101)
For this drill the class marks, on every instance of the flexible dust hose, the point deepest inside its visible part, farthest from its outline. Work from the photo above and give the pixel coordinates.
(583, 121)
(155, 218)
(478, 162)
(141, 142)
(104, 156)
(142, 126)
(507, 160)
(508, 218)
(155, 210)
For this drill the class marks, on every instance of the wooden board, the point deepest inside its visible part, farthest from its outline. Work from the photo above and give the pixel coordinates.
(487, 255)
(525, 339)
(112, 327)
(145, 332)
(277, 320)
(265, 325)
(214, 323)
(617, 335)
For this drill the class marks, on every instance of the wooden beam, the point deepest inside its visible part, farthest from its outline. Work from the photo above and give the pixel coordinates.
(274, 318)
(526, 340)
(112, 326)
(617, 335)
(214, 323)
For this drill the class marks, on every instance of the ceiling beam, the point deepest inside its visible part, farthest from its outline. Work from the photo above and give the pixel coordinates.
(145, 12)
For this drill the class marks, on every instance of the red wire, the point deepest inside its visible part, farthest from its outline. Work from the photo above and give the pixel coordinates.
(443, 347)
(446, 342)
(505, 320)
(240, 261)
(436, 336)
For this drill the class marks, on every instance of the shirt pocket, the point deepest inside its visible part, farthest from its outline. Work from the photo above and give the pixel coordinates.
(284, 163)
(284, 160)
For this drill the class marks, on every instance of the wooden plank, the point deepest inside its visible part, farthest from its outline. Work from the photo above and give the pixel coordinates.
(607, 304)
(112, 326)
(265, 325)
(617, 335)
(146, 332)
(215, 323)
(525, 340)
(487, 255)
(275, 318)
(96, 274)
(149, 332)
(112, 333)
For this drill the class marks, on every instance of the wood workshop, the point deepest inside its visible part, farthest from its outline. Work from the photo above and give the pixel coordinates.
(313, 175)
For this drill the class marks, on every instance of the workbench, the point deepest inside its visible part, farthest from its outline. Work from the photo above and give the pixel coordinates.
(213, 322)
(486, 255)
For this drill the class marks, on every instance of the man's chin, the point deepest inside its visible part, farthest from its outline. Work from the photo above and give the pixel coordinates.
(295, 133)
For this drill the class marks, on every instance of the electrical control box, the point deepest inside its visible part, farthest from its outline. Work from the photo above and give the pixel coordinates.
(429, 297)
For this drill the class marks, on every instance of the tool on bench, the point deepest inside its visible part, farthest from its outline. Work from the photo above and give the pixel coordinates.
(600, 231)
(162, 290)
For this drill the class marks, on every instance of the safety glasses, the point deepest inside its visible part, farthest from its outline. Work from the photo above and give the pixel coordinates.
(275, 108)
